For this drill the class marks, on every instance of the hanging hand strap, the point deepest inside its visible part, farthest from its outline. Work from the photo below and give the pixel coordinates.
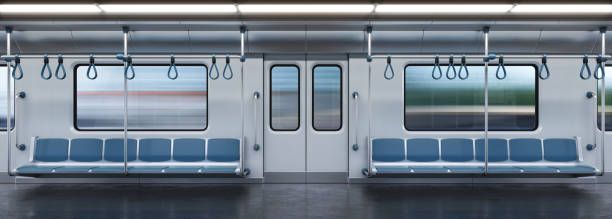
(544, 71)
(502, 67)
(45, 72)
(228, 73)
(60, 66)
(172, 71)
(461, 69)
(129, 72)
(17, 72)
(92, 65)
(600, 68)
(437, 68)
(389, 72)
(585, 66)
(214, 70)
(451, 65)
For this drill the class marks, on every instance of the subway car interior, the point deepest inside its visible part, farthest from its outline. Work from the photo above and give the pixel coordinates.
(305, 109)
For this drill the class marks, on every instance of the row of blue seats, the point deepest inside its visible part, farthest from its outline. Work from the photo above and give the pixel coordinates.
(466, 156)
(148, 155)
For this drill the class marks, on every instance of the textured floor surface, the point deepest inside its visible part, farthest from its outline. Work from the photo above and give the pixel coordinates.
(306, 201)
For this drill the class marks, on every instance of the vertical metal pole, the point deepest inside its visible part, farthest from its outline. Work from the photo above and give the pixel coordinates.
(9, 30)
(369, 59)
(603, 31)
(242, 137)
(486, 100)
(125, 101)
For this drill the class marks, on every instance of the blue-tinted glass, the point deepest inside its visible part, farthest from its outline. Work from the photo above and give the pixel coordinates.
(285, 98)
(327, 98)
(154, 101)
(459, 104)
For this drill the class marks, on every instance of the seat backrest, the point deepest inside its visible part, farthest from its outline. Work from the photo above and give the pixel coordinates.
(457, 149)
(498, 150)
(388, 149)
(154, 149)
(560, 150)
(51, 150)
(189, 149)
(86, 149)
(422, 149)
(113, 150)
(525, 149)
(223, 149)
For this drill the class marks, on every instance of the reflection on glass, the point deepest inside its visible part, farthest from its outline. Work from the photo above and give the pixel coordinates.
(154, 101)
(3, 99)
(327, 98)
(455, 105)
(285, 100)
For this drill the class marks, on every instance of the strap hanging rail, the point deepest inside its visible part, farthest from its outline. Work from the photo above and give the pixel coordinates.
(389, 72)
(92, 66)
(60, 75)
(463, 69)
(172, 69)
(502, 67)
(45, 72)
(451, 65)
(437, 68)
(228, 73)
(585, 66)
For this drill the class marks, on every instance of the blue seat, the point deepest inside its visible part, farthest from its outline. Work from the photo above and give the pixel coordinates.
(560, 150)
(154, 150)
(498, 150)
(189, 150)
(147, 169)
(422, 150)
(525, 149)
(219, 170)
(580, 169)
(223, 149)
(537, 169)
(457, 150)
(393, 170)
(113, 150)
(429, 169)
(388, 150)
(466, 169)
(504, 170)
(86, 150)
(108, 170)
(74, 169)
(31, 169)
(185, 170)
(51, 150)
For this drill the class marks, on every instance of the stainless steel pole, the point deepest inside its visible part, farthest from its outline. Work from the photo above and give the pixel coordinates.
(9, 107)
(125, 102)
(486, 100)
(603, 31)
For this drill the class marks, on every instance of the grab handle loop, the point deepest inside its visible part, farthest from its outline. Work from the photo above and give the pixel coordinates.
(462, 67)
(46, 69)
(227, 74)
(600, 68)
(389, 72)
(451, 65)
(172, 71)
(214, 68)
(16, 68)
(585, 66)
(436, 67)
(502, 67)
(92, 65)
(544, 71)
(60, 66)
(129, 72)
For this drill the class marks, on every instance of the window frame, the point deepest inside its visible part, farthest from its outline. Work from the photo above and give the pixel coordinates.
(341, 97)
(598, 117)
(536, 91)
(299, 94)
(3, 128)
(74, 98)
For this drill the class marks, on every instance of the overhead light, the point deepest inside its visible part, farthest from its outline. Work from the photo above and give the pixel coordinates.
(306, 8)
(168, 8)
(443, 8)
(562, 8)
(49, 9)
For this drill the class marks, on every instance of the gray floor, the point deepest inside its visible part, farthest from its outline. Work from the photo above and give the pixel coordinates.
(306, 201)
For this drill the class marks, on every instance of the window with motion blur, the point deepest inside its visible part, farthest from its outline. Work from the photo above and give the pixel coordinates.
(155, 102)
(458, 105)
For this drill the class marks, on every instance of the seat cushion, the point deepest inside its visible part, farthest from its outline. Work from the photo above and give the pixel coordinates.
(560, 150)
(148, 169)
(503, 170)
(185, 170)
(154, 149)
(189, 150)
(108, 169)
(220, 170)
(422, 150)
(86, 149)
(457, 150)
(537, 169)
(393, 169)
(223, 149)
(525, 149)
(498, 149)
(51, 150)
(113, 150)
(74, 169)
(575, 169)
(432, 169)
(388, 150)
(31, 169)
(466, 169)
